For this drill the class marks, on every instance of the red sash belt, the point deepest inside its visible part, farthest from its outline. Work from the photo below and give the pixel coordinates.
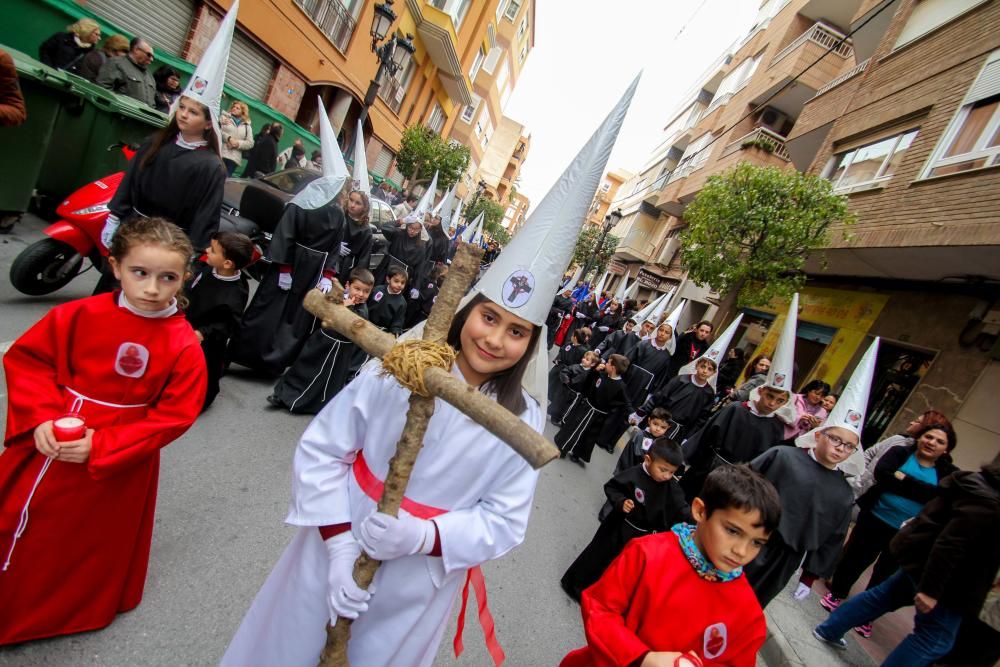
(372, 487)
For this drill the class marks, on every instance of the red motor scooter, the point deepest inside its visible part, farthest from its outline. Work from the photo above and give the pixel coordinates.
(51, 263)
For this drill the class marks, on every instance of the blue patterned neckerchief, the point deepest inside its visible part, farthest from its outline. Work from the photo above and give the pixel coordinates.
(702, 566)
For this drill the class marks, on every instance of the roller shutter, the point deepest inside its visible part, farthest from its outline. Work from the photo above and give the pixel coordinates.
(164, 23)
(250, 67)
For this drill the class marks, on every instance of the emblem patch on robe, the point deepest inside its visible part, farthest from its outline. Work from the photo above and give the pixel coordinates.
(378, 296)
(199, 84)
(517, 288)
(853, 417)
(716, 640)
(779, 379)
(131, 360)
(640, 496)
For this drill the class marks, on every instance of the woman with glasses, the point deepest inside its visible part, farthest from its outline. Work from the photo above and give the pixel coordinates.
(906, 478)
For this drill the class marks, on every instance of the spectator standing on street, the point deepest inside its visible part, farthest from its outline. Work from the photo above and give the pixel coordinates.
(168, 88)
(113, 47)
(129, 75)
(404, 208)
(237, 135)
(264, 155)
(12, 109)
(66, 50)
(286, 155)
(316, 161)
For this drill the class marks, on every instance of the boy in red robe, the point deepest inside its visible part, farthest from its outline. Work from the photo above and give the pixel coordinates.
(679, 599)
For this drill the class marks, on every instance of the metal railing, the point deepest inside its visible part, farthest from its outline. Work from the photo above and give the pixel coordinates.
(854, 71)
(820, 34)
(762, 137)
(392, 92)
(332, 18)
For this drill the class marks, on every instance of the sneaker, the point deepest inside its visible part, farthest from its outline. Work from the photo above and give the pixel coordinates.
(830, 602)
(840, 644)
(864, 630)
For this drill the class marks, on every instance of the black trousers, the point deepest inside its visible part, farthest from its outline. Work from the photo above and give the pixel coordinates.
(868, 543)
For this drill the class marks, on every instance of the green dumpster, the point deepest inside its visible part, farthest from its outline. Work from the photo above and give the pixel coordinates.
(24, 147)
(83, 133)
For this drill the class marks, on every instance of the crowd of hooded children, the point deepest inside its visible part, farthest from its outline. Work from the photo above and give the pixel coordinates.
(706, 519)
(802, 455)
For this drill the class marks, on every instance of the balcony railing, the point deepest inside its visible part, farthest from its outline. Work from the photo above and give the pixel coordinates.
(854, 71)
(392, 92)
(332, 18)
(818, 34)
(762, 138)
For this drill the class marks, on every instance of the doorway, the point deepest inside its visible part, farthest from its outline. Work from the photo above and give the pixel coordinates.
(898, 369)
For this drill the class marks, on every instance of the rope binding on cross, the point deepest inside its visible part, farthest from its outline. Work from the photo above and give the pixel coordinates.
(407, 361)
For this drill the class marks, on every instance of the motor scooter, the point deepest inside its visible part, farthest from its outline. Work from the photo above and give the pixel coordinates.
(50, 264)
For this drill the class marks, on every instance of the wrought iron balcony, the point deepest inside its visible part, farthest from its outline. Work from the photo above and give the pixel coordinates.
(332, 18)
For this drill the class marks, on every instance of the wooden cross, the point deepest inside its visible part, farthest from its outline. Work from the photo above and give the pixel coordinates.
(440, 383)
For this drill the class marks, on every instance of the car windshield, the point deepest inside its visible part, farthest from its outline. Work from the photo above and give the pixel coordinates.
(291, 180)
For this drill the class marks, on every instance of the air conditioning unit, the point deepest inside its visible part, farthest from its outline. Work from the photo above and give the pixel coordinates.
(670, 249)
(772, 119)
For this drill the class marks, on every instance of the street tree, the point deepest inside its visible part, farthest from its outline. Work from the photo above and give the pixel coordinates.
(422, 151)
(492, 218)
(587, 250)
(751, 228)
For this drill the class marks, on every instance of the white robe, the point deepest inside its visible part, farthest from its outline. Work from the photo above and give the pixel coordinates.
(485, 485)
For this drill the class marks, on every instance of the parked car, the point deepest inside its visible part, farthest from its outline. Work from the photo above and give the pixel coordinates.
(280, 187)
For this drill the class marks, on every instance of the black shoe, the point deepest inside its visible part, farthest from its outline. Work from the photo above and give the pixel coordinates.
(275, 401)
(576, 459)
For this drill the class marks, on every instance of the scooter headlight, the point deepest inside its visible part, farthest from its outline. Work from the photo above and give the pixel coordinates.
(90, 210)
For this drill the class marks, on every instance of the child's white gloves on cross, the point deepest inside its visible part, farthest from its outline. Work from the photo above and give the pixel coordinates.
(385, 537)
(324, 285)
(285, 280)
(345, 249)
(344, 597)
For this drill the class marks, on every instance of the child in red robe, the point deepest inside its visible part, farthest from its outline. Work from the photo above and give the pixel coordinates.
(678, 599)
(129, 365)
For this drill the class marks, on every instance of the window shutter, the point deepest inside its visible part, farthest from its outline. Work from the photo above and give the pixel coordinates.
(988, 82)
(250, 67)
(165, 24)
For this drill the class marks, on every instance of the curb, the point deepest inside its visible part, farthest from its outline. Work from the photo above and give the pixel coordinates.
(777, 651)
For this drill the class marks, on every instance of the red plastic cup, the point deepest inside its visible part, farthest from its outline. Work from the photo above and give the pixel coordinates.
(69, 427)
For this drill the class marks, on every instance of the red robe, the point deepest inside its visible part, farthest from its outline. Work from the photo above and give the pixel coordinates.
(83, 555)
(650, 599)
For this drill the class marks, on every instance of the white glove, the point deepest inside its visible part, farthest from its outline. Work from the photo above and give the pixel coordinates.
(414, 293)
(108, 231)
(344, 249)
(344, 597)
(801, 591)
(284, 281)
(385, 537)
(634, 419)
(603, 329)
(324, 285)
(581, 315)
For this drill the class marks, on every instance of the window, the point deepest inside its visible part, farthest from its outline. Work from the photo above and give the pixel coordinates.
(458, 13)
(484, 129)
(521, 56)
(735, 80)
(870, 164)
(393, 88)
(513, 8)
(928, 15)
(501, 6)
(477, 63)
(605, 186)
(972, 141)
(503, 75)
(469, 112)
(523, 28)
(436, 120)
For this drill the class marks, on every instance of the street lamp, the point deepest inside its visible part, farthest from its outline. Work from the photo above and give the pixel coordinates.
(393, 56)
(610, 221)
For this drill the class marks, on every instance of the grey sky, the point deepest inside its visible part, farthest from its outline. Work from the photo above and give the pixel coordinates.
(587, 51)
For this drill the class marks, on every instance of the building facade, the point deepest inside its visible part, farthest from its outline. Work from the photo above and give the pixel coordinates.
(503, 159)
(286, 53)
(896, 102)
(516, 213)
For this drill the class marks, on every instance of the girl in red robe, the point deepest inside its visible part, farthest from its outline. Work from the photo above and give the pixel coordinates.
(129, 364)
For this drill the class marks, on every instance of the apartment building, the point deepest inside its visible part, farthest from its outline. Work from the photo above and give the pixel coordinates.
(286, 53)
(903, 118)
(516, 213)
(505, 155)
(493, 71)
(606, 196)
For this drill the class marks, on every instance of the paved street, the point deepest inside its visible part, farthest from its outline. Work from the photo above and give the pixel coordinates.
(223, 494)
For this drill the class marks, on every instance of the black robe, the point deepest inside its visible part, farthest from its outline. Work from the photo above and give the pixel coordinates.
(215, 306)
(183, 185)
(658, 506)
(583, 314)
(321, 370)
(438, 245)
(568, 355)
(402, 250)
(358, 237)
(560, 306)
(587, 423)
(736, 435)
(417, 310)
(275, 325)
(263, 156)
(609, 323)
(815, 513)
(618, 342)
(573, 380)
(648, 365)
(687, 403)
(386, 310)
